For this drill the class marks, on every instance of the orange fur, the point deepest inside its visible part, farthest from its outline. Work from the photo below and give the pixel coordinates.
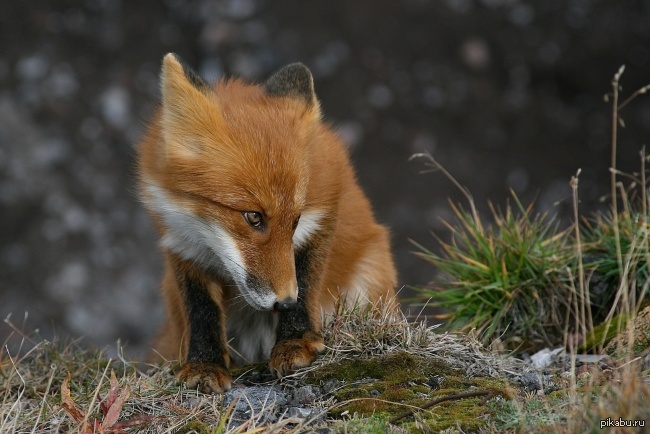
(214, 153)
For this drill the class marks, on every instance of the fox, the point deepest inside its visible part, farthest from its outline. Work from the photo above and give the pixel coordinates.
(263, 227)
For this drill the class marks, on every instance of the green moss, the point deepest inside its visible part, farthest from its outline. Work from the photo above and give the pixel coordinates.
(603, 333)
(400, 394)
(388, 385)
(399, 367)
(194, 427)
(347, 393)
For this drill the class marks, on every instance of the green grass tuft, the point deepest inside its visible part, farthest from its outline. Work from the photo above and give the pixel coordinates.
(508, 279)
(600, 239)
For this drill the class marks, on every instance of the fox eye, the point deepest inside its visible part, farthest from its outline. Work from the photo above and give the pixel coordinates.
(254, 219)
(295, 223)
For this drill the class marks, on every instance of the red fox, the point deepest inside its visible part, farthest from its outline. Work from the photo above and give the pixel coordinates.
(263, 226)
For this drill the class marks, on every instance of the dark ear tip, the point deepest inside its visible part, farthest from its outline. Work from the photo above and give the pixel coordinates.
(298, 68)
(294, 80)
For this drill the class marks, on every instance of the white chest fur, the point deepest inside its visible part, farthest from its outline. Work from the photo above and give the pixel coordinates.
(251, 333)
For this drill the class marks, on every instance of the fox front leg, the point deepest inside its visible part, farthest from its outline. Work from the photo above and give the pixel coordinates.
(207, 360)
(298, 337)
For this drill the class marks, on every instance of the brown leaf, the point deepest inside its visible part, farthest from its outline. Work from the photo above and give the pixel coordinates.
(111, 407)
(71, 408)
(112, 395)
(113, 413)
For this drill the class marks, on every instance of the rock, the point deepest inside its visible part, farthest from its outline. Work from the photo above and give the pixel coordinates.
(305, 395)
(261, 402)
(435, 381)
(534, 381)
(590, 359)
(299, 412)
(331, 385)
(531, 381)
(546, 357)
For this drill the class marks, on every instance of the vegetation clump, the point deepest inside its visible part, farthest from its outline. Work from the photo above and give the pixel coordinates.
(507, 280)
(524, 283)
(527, 283)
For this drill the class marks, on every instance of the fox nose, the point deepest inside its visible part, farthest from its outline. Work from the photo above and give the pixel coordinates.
(285, 304)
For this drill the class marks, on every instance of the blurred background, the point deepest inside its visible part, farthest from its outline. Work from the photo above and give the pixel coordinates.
(506, 94)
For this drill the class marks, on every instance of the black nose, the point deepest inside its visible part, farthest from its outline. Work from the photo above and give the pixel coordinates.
(285, 305)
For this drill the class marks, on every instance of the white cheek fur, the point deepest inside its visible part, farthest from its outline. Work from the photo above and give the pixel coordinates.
(194, 238)
(308, 224)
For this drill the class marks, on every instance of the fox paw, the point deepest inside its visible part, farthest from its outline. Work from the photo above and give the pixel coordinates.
(209, 377)
(292, 354)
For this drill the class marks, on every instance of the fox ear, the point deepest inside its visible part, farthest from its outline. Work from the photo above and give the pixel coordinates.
(173, 63)
(294, 81)
(187, 106)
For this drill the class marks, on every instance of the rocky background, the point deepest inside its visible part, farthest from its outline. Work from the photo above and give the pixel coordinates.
(507, 94)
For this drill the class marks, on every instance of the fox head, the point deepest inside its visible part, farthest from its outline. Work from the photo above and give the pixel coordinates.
(229, 174)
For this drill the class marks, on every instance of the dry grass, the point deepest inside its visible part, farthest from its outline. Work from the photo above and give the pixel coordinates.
(58, 386)
(62, 387)
(35, 385)
(620, 243)
(359, 333)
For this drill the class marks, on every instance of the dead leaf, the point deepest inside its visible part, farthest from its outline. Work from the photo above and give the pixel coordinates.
(112, 415)
(71, 408)
(112, 394)
(111, 408)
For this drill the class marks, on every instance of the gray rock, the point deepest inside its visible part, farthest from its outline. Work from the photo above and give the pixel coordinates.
(305, 395)
(300, 412)
(537, 381)
(261, 402)
(331, 385)
(531, 381)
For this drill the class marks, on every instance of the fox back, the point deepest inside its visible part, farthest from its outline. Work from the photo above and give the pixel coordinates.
(261, 220)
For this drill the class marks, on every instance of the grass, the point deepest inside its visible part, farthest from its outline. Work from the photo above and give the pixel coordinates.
(520, 280)
(506, 280)
(377, 365)
(528, 284)
(60, 386)
(599, 236)
(583, 285)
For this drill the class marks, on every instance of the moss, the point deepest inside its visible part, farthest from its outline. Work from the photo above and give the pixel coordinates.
(347, 393)
(391, 384)
(399, 367)
(603, 333)
(194, 427)
(400, 394)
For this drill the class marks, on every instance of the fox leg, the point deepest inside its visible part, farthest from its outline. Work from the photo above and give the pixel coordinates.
(207, 360)
(298, 337)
